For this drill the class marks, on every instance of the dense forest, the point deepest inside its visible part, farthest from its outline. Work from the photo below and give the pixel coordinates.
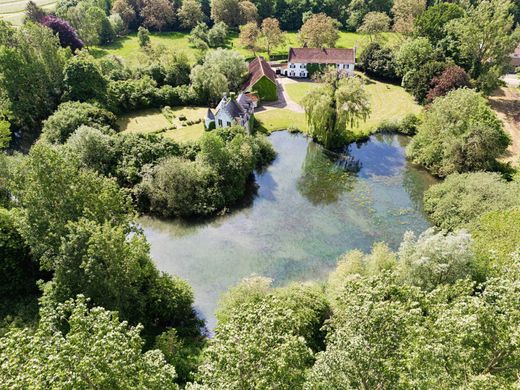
(83, 303)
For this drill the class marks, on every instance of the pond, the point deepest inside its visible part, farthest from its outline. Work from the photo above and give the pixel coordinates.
(310, 207)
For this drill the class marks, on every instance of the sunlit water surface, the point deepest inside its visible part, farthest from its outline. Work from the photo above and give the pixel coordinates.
(310, 207)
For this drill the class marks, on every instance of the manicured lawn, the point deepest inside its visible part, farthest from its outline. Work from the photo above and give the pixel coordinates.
(298, 90)
(154, 121)
(128, 48)
(281, 119)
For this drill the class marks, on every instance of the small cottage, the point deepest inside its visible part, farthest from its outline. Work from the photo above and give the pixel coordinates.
(300, 60)
(232, 111)
(262, 80)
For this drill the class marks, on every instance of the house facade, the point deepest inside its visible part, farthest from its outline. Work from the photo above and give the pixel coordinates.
(262, 80)
(232, 111)
(300, 58)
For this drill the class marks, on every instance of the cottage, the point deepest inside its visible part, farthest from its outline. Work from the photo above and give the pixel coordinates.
(300, 59)
(262, 80)
(232, 111)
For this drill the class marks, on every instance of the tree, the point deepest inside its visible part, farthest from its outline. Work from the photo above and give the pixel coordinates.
(93, 25)
(82, 348)
(374, 23)
(143, 36)
(419, 82)
(157, 14)
(248, 12)
(413, 54)
(432, 22)
(249, 36)
(378, 61)
(330, 110)
(217, 35)
(272, 34)
(459, 133)
(33, 13)
(486, 38)
(5, 134)
(190, 14)
(452, 78)
(319, 31)
(66, 33)
(71, 115)
(124, 9)
(227, 11)
(405, 12)
(462, 198)
(83, 80)
(118, 24)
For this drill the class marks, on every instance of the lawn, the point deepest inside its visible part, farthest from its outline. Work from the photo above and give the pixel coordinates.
(128, 47)
(388, 102)
(169, 124)
(14, 11)
(280, 119)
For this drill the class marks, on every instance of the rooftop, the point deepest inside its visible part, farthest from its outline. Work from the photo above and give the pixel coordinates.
(257, 69)
(309, 55)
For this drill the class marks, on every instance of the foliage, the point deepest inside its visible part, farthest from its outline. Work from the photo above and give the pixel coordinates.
(71, 115)
(191, 14)
(451, 78)
(66, 33)
(405, 13)
(80, 348)
(125, 10)
(83, 81)
(378, 61)
(248, 12)
(249, 36)
(459, 133)
(272, 34)
(157, 14)
(334, 108)
(261, 345)
(5, 134)
(432, 22)
(374, 23)
(226, 11)
(143, 36)
(420, 81)
(217, 35)
(413, 54)
(319, 30)
(118, 24)
(33, 13)
(462, 198)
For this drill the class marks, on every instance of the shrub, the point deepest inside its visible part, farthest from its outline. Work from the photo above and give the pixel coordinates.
(451, 78)
(459, 133)
(378, 61)
(83, 80)
(71, 115)
(462, 198)
(66, 33)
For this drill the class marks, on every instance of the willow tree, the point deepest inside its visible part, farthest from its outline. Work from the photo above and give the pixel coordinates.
(333, 109)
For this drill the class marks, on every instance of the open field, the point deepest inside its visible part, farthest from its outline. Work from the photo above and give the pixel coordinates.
(128, 48)
(13, 10)
(171, 125)
(280, 119)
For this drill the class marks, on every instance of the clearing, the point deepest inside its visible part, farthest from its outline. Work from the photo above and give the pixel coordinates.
(127, 47)
(179, 123)
(506, 103)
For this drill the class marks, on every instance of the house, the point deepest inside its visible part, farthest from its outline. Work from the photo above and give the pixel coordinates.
(262, 80)
(300, 59)
(232, 111)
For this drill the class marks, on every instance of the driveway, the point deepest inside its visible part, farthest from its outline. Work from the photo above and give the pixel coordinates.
(506, 103)
(284, 100)
(511, 80)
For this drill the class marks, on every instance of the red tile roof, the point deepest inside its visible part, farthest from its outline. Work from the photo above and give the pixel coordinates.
(257, 69)
(307, 55)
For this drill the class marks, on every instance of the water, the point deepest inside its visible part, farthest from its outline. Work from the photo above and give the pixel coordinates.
(311, 206)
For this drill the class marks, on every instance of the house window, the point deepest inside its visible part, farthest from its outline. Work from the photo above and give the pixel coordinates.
(303, 66)
(220, 123)
(302, 74)
(228, 124)
(292, 66)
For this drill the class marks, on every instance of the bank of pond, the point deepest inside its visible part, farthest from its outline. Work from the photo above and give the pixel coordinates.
(309, 206)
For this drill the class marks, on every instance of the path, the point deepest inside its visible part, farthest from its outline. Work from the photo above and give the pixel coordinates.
(506, 103)
(284, 100)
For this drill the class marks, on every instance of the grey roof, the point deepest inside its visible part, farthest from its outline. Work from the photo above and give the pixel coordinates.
(210, 115)
(231, 106)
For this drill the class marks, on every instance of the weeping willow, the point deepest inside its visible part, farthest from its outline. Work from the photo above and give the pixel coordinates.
(335, 108)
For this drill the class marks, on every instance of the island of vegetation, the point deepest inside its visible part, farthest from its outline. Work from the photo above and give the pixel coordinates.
(110, 110)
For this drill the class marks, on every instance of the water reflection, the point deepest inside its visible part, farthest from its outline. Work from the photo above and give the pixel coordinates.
(310, 207)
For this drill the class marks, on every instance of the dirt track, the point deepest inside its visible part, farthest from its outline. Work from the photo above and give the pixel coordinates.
(506, 103)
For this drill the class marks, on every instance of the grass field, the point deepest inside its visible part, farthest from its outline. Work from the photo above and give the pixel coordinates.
(128, 47)
(13, 10)
(281, 119)
(154, 121)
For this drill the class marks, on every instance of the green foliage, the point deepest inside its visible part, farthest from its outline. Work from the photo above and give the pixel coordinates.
(378, 61)
(5, 134)
(266, 343)
(71, 115)
(462, 198)
(419, 82)
(143, 36)
(266, 89)
(80, 348)
(83, 80)
(459, 133)
(319, 30)
(432, 22)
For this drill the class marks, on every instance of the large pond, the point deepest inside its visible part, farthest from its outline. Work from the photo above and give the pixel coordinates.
(310, 207)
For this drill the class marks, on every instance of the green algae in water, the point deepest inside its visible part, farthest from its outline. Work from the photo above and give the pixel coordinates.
(311, 206)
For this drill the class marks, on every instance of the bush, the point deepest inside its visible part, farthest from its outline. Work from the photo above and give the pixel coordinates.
(71, 115)
(130, 95)
(459, 133)
(83, 81)
(462, 198)
(378, 61)
(451, 78)
(66, 33)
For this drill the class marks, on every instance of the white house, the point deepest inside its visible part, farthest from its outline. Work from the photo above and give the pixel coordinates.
(232, 111)
(300, 58)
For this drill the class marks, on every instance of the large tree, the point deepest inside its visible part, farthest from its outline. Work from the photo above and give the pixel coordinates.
(249, 36)
(190, 14)
(405, 12)
(158, 14)
(227, 11)
(272, 34)
(334, 108)
(374, 23)
(319, 30)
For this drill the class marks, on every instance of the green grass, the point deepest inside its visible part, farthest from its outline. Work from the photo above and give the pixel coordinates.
(154, 121)
(388, 102)
(14, 11)
(281, 119)
(128, 47)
